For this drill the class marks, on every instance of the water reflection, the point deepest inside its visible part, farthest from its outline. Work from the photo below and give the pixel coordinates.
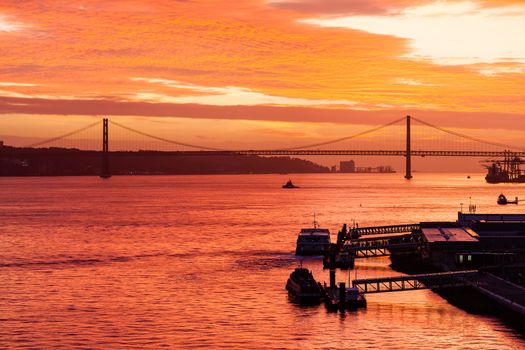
(201, 262)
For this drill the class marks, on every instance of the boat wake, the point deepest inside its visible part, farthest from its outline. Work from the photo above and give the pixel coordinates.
(265, 262)
(82, 262)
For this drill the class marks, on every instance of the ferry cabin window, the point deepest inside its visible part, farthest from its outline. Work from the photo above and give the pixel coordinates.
(469, 258)
(460, 258)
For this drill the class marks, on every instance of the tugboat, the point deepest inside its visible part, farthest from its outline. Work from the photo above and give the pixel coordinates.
(313, 241)
(289, 184)
(303, 288)
(502, 200)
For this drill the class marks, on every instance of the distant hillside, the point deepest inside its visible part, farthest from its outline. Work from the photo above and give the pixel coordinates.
(59, 161)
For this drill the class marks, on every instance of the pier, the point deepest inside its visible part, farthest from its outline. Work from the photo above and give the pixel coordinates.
(485, 252)
(505, 293)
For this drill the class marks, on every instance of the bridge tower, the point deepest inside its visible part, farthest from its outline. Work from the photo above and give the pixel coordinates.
(105, 173)
(408, 155)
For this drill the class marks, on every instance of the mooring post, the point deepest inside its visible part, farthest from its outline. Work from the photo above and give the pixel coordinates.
(408, 172)
(332, 277)
(104, 173)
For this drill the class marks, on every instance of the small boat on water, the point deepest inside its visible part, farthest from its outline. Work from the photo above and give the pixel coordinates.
(313, 241)
(289, 184)
(303, 288)
(502, 200)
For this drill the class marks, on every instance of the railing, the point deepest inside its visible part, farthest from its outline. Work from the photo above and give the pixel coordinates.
(415, 282)
(375, 230)
(363, 251)
(421, 153)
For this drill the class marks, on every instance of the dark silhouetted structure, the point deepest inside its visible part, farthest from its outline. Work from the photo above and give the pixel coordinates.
(408, 155)
(347, 166)
(105, 173)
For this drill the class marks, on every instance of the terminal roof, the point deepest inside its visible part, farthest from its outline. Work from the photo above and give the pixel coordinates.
(448, 234)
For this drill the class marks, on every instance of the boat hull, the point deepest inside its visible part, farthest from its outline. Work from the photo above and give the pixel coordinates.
(311, 250)
(303, 299)
(302, 288)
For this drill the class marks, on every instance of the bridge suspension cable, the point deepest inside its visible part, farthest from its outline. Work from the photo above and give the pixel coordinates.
(345, 138)
(165, 139)
(471, 138)
(71, 133)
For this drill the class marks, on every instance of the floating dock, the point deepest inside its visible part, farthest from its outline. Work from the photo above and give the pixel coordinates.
(342, 298)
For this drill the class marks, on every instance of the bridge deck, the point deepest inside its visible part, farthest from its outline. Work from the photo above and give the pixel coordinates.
(304, 152)
(414, 282)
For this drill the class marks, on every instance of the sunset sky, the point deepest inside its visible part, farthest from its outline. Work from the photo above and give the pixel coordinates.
(262, 72)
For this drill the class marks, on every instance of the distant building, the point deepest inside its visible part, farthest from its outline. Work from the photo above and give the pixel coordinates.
(1, 143)
(379, 169)
(333, 169)
(347, 166)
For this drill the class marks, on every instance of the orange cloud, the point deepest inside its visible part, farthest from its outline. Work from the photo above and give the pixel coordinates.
(65, 58)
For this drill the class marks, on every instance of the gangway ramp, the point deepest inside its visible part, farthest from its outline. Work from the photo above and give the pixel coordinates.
(378, 230)
(383, 245)
(415, 282)
(363, 251)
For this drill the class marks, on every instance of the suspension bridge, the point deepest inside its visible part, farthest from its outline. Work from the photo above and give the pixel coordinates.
(397, 138)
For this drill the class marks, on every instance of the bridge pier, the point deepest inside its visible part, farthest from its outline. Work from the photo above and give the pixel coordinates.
(105, 173)
(408, 154)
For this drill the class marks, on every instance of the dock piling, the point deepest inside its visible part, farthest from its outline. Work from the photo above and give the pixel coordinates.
(332, 278)
(342, 295)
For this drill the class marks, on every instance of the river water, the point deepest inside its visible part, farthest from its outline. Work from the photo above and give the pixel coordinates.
(189, 262)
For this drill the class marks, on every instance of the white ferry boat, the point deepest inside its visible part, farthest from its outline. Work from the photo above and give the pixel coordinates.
(313, 241)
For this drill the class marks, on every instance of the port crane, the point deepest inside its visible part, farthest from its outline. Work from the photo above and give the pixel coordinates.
(507, 169)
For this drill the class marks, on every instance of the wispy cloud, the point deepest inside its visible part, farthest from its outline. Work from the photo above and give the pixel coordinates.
(281, 132)
(495, 70)
(6, 83)
(50, 97)
(227, 96)
(411, 82)
(9, 25)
